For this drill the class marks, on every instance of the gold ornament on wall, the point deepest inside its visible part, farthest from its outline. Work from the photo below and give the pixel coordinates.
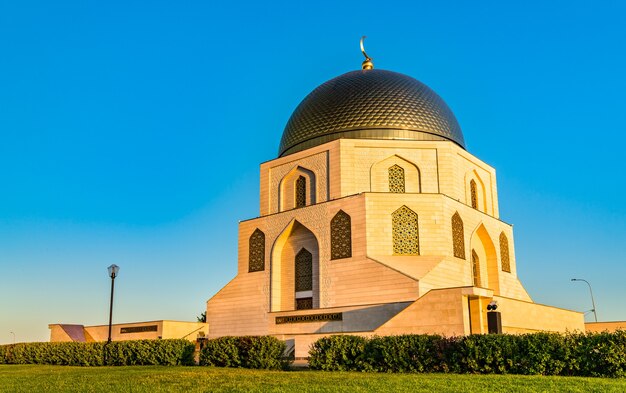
(458, 236)
(340, 236)
(504, 253)
(256, 248)
(475, 269)
(405, 232)
(473, 194)
(396, 179)
(301, 192)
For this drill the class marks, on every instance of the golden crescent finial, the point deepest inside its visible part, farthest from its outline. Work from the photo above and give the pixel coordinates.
(367, 64)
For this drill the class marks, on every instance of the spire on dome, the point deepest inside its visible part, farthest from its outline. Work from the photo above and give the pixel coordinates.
(367, 63)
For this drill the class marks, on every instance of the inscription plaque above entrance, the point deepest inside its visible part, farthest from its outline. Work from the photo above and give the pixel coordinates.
(310, 318)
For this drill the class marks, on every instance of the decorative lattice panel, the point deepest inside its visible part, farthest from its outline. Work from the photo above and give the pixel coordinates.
(396, 179)
(504, 253)
(304, 271)
(256, 247)
(475, 269)
(458, 236)
(305, 303)
(340, 236)
(301, 192)
(405, 232)
(473, 194)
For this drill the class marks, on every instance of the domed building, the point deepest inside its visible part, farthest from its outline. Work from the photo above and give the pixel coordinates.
(375, 220)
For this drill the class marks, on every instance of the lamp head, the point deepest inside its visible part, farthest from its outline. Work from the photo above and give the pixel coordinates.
(113, 269)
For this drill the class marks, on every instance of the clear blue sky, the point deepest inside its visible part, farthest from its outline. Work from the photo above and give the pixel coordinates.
(132, 132)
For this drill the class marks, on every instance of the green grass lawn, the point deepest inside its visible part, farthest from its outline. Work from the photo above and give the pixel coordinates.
(34, 378)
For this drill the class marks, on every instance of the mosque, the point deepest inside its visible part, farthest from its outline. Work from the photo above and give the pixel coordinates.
(376, 220)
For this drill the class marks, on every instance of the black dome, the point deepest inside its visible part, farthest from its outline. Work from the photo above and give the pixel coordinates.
(369, 104)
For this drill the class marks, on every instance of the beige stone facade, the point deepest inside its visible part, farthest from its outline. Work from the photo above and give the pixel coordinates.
(411, 268)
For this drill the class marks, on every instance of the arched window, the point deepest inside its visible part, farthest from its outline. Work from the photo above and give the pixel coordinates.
(504, 253)
(405, 232)
(458, 236)
(473, 194)
(256, 248)
(396, 179)
(475, 269)
(304, 279)
(340, 236)
(301, 192)
(304, 271)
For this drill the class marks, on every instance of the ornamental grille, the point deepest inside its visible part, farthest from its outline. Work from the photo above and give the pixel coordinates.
(473, 194)
(340, 236)
(504, 253)
(475, 269)
(405, 232)
(458, 237)
(301, 192)
(256, 247)
(305, 303)
(396, 179)
(304, 271)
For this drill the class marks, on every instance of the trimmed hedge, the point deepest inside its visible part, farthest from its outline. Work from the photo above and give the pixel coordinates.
(580, 354)
(172, 352)
(338, 353)
(406, 353)
(117, 353)
(260, 352)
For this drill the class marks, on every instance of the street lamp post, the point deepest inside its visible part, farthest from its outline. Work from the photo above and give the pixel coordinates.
(113, 269)
(593, 303)
(13, 337)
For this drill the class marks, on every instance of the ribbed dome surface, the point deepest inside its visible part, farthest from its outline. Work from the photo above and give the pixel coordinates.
(369, 104)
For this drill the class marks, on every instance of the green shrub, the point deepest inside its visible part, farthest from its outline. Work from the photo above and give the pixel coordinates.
(221, 352)
(406, 353)
(171, 352)
(543, 354)
(4, 353)
(118, 353)
(338, 353)
(267, 352)
(66, 353)
(590, 354)
(485, 354)
(600, 354)
(260, 352)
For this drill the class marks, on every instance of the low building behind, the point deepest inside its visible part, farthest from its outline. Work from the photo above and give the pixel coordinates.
(151, 330)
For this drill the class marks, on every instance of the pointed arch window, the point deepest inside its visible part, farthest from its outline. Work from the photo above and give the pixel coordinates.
(304, 271)
(340, 236)
(458, 236)
(475, 269)
(473, 194)
(396, 179)
(504, 253)
(256, 249)
(405, 232)
(301, 192)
